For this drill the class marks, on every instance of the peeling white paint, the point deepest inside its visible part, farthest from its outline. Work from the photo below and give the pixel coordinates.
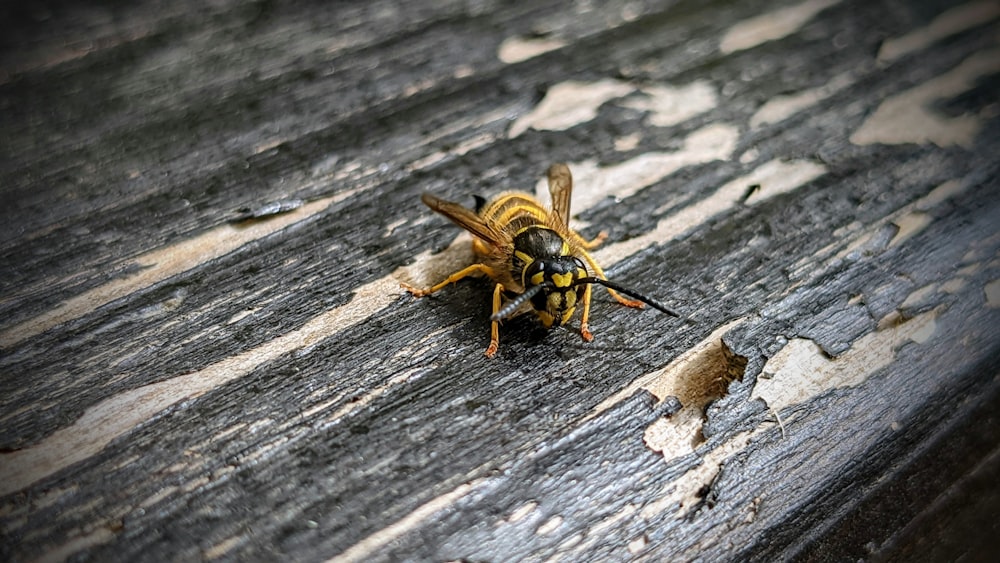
(591, 183)
(780, 108)
(992, 291)
(909, 225)
(919, 297)
(801, 371)
(517, 49)
(574, 102)
(160, 264)
(687, 377)
(369, 546)
(675, 436)
(670, 105)
(914, 217)
(637, 545)
(570, 103)
(775, 177)
(549, 526)
(97, 536)
(682, 493)
(907, 117)
(628, 142)
(950, 22)
(771, 26)
(120, 413)
(522, 512)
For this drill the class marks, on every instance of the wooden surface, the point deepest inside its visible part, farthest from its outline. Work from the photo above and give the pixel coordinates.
(180, 384)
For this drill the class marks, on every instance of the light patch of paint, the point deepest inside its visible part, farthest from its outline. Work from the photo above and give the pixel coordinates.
(675, 436)
(950, 22)
(160, 264)
(913, 218)
(907, 118)
(771, 26)
(918, 297)
(240, 315)
(909, 216)
(780, 108)
(801, 371)
(570, 103)
(774, 177)
(522, 512)
(909, 225)
(98, 536)
(992, 291)
(574, 102)
(597, 530)
(118, 414)
(691, 378)
(637, 545)
(939, 195)
(969, 270)
(591, 184)
(472, 143)
(670, 105)
(517, 49)
(549, 526)
(954, 285)
(474, 123)
(628, 142)
(225, 546)
(159, 495)
(682, 493)
(371, 545)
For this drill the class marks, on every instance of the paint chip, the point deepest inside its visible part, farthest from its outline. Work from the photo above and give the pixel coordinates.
(801, 371)
(570, 103)
(992, 291)
(907, 117)
(670, 105)
(771, 26)
(550, 525)
(780, 108)
(950, 22)
(517, 49)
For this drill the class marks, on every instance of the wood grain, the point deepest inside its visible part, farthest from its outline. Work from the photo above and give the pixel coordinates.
(813, 185)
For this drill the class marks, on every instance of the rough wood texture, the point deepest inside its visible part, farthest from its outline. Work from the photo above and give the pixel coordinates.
(179, 384)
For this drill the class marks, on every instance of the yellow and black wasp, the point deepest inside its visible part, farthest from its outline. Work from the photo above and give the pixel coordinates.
(532, 255)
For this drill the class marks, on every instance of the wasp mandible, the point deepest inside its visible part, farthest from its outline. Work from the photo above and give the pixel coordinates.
(533, 256)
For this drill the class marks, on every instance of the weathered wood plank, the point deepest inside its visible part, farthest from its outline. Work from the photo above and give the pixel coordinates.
(176, 385)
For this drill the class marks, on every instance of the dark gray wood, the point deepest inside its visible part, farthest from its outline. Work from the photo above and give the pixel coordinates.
(132, 128)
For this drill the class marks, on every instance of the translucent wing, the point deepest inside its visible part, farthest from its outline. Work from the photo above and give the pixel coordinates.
(560, 189)
(463, 217)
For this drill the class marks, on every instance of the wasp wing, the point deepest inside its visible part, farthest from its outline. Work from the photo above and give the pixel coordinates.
(463, 217)
(560, 190)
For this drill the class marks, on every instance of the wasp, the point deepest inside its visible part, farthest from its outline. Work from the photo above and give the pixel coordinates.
(533, 256)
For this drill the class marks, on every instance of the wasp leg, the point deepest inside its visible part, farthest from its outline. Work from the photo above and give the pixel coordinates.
(495, 325)
(593, 243)
(600, 273)
(463, 273)
(584, 331)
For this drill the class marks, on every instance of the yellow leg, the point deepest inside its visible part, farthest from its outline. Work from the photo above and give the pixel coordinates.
(463, 273)
(600, 273)
(584, 331)
(594, 243)
(495, 325)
